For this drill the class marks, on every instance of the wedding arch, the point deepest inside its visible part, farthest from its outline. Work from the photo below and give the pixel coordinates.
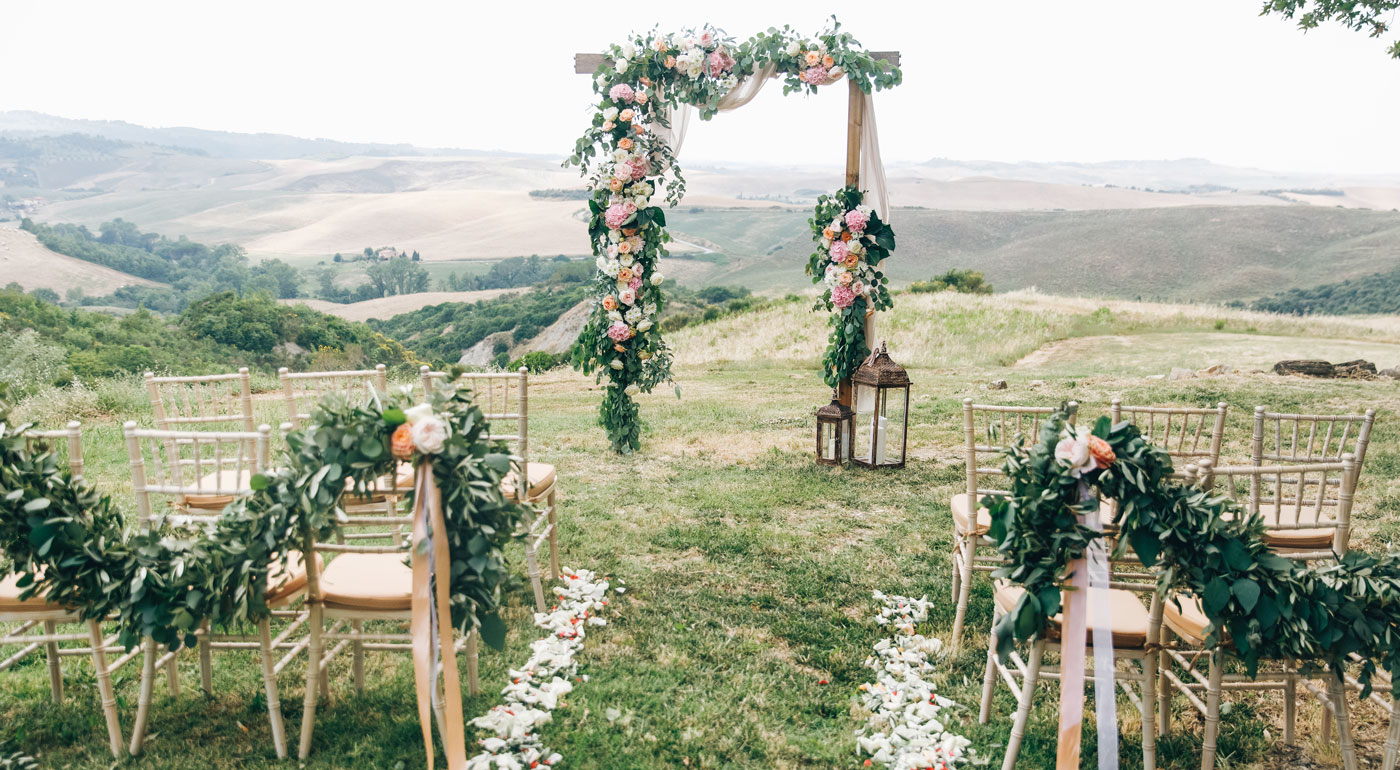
(649, 87)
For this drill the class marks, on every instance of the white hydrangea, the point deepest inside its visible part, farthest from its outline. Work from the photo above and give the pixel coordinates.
(622, 65)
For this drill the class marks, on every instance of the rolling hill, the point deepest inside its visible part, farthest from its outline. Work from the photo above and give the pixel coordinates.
(27, 262)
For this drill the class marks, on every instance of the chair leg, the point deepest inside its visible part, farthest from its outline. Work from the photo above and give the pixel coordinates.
(1149, 719)
(1023, 707)
(104, 688)
(473, 675)
(206, 659)
(1339, 705)
(965, 594)
(553, 536)
(143, 704)
(1164, 687)
(313, 668)
(989, 681)
(55, 669)
(1290, 705)
(957, 564)
(1392, 738)
(1212, 731)
(357, 664)
(532, 565)
(172, 675)
(274, 705)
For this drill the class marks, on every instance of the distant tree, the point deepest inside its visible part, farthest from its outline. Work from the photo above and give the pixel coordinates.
(45, 295)
(369, 252)
(961, 281)
(415, 256)
(1370, 16)
(284, 280)
(337, 257)
(74, 295)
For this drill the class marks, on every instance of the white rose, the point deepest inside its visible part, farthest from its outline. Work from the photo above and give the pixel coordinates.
(835, 72)
(656, 278)
(644, 325)
(614, 316)
(610, 113)
(693, 70)
(641, 201)
(616, 364)
(601, 262)
(629, 50)
(794, 48)
(625, 260)
(632, 389)
(429, 434)
(619, 156)
(622, 66)
(419, 412)
(614, 236)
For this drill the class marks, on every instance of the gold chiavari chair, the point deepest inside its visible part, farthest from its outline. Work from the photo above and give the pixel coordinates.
(988, 431)
(36, 613)
(302, 390)
(504, 401)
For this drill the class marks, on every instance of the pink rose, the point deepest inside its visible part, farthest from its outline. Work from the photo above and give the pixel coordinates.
(1074, 453)
(637, 168)
(623, 92)
(839, 251)
(707, 39)
(636, 283)
(719, 63)
(859, 288)
(627, 296)
(857, 220)
(842, 296)
(815, 75)
(618, 214)
(619, 332)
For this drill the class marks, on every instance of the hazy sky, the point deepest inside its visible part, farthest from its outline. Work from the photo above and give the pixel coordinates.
(1082, 80)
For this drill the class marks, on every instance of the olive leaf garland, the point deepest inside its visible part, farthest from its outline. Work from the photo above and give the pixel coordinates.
(1268, 606)
(851, 244)
(68, 540)
(627, 159)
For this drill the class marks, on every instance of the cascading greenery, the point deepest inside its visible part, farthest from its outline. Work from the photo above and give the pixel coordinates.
(68, 540)
(627, 158)
(1267, 606)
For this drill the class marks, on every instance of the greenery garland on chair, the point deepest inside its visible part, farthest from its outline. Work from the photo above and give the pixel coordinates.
(1271, 607)
(627, 161)
(68, 541)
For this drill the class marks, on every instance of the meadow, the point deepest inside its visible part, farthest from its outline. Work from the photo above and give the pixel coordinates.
(741, 640)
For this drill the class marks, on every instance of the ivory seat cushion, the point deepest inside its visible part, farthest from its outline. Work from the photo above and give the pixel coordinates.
(216, 482)
(1189, 621)
(541, 479)
(1296, 538)
(10, 601)
(368, 581)
(1130, 618)
(284, 582)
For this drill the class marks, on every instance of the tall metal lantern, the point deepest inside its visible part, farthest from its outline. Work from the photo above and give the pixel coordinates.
(834, 432)
(882, 412)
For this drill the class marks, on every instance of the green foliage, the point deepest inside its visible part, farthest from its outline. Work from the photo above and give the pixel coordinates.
(258, 325)
(538, 361)
(1370, 16)
(442, 332)
(514, 272)
(1378, 293)
(1267, 606)
(399, 275)
(961, 281)
(559, 193)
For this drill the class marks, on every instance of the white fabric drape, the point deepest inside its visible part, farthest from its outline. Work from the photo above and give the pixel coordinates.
(872, 168)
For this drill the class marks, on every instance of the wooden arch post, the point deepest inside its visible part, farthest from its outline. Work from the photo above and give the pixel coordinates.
(588, 63)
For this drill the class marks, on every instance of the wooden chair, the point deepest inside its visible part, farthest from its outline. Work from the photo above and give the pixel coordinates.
(301, 390)
(215, 400)
(203, 466)
(361, 582)
(987, 430)
(1187, 441)
(504, 401)
(1134, 630)
(36, 613)
(1305, 505)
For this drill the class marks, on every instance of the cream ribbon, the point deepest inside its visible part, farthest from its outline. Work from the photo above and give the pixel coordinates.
(432, 636)
(1089, 578)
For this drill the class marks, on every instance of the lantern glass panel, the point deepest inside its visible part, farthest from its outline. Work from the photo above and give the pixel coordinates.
(890, 443)
(864, 422)
(826, 440)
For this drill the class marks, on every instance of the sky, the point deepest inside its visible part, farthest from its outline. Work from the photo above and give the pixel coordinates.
(1018, 80)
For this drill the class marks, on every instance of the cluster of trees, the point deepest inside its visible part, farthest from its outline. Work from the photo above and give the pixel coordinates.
(1377, 293)
(515, 272)
(563, 193)
(961, 281)
(441, 332)
(387, 278)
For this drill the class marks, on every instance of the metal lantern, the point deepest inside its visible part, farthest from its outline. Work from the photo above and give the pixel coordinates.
(882, 412)
(834, 432)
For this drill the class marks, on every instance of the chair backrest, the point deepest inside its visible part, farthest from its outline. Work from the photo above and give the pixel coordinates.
(301, 390)
(992, 429)
(195, 472)
(1182, 431)
(222, 401)
(504, 400)
(70, 437)
(1310, 438)
(1293, 498)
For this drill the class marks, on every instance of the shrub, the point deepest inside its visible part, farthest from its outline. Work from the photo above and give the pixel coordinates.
(537, 361)
(961, 281)
(29, 362)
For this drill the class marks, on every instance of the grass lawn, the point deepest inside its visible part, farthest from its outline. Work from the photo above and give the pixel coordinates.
(749, 567)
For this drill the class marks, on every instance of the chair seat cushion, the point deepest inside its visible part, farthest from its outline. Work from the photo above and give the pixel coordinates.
(1188, 621)
(541, 479)
(963, 516)
(1296, 538)
(228, 478)
(10, 592)
(286, 581)
(368, 581)
(1130, 618)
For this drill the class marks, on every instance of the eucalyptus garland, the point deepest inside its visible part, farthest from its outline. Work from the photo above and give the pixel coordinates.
(851, 244)
(1268, 607)
(68, 540)
(627, 162)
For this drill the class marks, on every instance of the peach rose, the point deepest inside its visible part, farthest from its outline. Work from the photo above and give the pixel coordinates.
(639, 128)
(670, 62)
(401, 443)
(618, 347)
(625, 143)
(813, 58)
(629, 231)
(647, 81)
(846, 279)
(828, 234)
(615, 184)
(626, 115)
(641, 98)
(624, 275)
(608, 125)
(846, 235)
(1101, 452)
(851, 261)
(827, 61)
(609, 303)
(624, 248)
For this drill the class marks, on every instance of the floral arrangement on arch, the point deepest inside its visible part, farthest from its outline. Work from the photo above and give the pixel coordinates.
(851, 244)
(627, 160)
